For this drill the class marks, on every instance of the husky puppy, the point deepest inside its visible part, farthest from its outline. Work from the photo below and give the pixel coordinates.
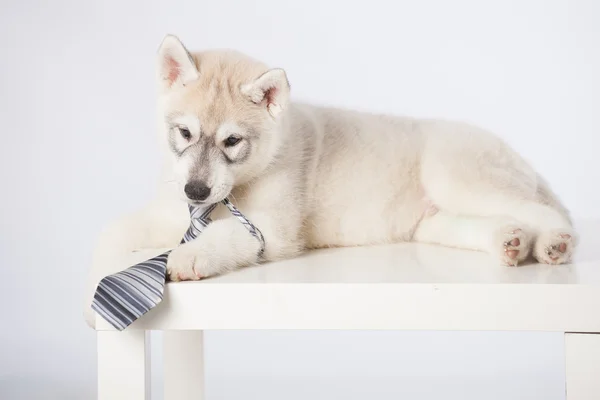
(311, 177)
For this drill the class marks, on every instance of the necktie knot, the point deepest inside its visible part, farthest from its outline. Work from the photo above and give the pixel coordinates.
(199, 219)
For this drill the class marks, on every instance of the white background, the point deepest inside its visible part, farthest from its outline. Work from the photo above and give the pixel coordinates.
(78, 148)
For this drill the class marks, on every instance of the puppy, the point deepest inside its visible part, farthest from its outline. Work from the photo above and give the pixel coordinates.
(311, 177)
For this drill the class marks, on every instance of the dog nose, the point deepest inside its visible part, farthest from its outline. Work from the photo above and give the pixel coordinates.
(196, 190)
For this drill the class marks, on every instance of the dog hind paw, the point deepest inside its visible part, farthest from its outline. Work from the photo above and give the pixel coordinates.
(512, 244)
(555, 247)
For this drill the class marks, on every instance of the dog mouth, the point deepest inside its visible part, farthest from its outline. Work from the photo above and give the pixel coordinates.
(197, 203)
(205, 203)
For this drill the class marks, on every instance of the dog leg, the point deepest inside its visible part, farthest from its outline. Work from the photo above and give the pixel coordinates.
(158, 225)
(506, 240)
(223, 246)
(554, 239)
(226, 245)
(471, 173)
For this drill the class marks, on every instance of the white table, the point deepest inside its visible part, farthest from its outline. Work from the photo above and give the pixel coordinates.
(403, 286)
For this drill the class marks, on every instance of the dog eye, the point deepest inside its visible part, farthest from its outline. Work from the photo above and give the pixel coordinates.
(185, 133)
(232, 141)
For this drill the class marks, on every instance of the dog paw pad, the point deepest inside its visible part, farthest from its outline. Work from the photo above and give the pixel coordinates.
(513, 244)
(554, 247)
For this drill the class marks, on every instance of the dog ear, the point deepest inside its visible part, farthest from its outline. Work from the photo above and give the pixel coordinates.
(271, 89)
(176, 67)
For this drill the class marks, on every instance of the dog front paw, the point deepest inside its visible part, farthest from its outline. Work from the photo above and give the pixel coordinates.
(186, 263)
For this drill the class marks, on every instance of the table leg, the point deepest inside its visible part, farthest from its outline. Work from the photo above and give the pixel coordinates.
(123, 365)
(183, 365)
(582, 366)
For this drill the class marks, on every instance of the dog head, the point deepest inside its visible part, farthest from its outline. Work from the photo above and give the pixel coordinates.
(220, 115)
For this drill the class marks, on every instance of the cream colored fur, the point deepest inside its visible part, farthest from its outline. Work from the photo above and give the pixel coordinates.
(313, 177)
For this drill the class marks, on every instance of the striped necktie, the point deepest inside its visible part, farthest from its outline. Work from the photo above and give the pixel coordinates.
(123, 297)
